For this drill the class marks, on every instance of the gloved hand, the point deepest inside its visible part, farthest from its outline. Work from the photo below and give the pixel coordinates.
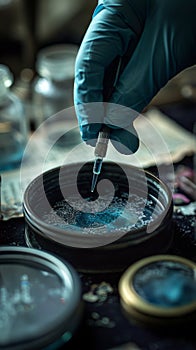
(154, 39)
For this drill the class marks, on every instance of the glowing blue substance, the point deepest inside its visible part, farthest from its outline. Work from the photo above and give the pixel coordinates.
(134, 214)
(166, 284)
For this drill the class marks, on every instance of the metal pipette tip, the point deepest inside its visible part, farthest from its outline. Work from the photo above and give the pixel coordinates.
(100, 152)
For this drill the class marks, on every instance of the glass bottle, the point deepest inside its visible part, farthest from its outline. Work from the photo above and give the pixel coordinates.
(13, 126)
(53, 85)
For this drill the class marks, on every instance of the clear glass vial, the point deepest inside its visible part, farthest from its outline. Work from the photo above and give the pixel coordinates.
(53, 85)
(13, 125)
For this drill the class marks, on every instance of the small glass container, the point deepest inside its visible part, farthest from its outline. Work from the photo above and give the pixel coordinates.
(40, 300)
(53, 85)
(160, 291)
(13, 124)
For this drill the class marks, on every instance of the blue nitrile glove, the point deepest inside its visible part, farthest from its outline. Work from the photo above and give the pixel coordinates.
(155, 40)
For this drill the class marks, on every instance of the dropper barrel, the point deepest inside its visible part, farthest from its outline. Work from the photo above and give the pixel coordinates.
(102, 142)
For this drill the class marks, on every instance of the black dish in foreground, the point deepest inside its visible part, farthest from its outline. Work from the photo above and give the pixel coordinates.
(107, 246)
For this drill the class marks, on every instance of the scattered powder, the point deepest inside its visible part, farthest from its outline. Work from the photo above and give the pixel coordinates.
(87, 216)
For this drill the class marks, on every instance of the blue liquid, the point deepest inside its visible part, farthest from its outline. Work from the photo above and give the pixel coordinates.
(11, 151)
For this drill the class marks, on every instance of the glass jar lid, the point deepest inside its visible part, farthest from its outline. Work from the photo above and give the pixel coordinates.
(39, 299)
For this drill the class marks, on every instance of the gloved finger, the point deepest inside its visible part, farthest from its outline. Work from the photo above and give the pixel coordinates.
(89, 133)
(125, 141)
(90, 116)
(123, 134)
(163, 50)
(107, 37)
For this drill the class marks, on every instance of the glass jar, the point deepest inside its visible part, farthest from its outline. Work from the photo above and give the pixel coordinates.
(13, 125)
(53, 85)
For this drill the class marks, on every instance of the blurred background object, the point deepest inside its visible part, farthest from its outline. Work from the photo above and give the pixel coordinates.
(181, 87)
(38, 45)
(52, 88)
(29, 28)
(13, 123)
(26, 26)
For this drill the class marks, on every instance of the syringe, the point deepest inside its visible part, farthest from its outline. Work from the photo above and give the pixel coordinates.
(100, 153)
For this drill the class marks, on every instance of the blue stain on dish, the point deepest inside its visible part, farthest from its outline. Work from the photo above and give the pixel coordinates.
(118, 214)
